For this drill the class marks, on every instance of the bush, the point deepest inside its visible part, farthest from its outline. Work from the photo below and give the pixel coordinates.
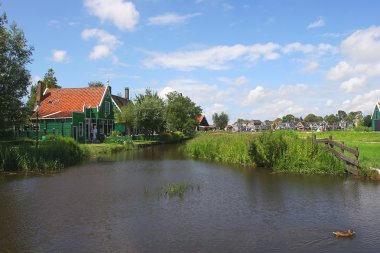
(171, 137)
(285, 152)
(49, 156)
(363, 129)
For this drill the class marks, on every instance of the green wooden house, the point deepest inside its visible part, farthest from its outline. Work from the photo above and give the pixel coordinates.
(376, 118)
(86, 114)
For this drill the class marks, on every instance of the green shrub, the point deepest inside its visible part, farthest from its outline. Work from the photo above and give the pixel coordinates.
(171, 137)
(363, 129)
(285, 152)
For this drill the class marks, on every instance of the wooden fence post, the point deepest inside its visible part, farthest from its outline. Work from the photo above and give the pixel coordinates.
(357, 156)
(342, 149)
(330, 142)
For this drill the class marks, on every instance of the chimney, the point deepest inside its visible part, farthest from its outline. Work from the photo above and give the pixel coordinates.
(39, 92)
(109, 87)
(127, 93)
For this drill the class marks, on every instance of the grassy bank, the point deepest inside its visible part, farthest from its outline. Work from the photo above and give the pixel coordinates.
(286, 152)
(51, 155)
(283, 151)
(222, 147)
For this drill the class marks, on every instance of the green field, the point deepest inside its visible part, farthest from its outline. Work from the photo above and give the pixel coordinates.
(367, 142)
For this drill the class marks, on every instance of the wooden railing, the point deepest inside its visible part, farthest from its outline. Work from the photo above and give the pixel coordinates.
(330, 144)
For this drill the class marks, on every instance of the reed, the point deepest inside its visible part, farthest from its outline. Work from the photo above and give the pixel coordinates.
(49, 156)
(285, 152)
(222, 147)
(173, 189)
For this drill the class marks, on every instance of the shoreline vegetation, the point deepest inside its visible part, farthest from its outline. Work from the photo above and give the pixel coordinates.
(285, 151)
(57, 153)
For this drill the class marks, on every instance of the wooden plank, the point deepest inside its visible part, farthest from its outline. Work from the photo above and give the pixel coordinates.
(321, 140)
(344, 157)
(344, 147)
(352, 170)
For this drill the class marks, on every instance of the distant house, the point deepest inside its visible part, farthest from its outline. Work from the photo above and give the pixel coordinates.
(81, 113)
(203, 125)
(376, 118)
(300, 126)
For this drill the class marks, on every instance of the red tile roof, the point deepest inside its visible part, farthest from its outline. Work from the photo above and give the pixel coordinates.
(58, 103)
(200, 118)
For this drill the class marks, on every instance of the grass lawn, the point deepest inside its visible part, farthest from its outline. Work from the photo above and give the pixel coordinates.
(367, 142)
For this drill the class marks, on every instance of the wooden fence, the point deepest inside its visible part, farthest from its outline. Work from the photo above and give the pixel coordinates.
(352, 162)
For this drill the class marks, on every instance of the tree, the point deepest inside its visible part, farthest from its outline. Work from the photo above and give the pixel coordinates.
(50, 81)
(288, 118)
(15, 55)
(95, 84)
(367, 121)
(220, 120)
(311, 118)
(149, 113)
(331, 119)
(181, 113)
(342, 115)
(126, 116)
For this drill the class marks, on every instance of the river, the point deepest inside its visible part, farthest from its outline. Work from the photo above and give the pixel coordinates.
(116, 205)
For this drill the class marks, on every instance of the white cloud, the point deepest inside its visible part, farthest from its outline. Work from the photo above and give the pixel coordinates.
(330, 103)
(121, 13)
(353, 84)
(279, 108)
(214, 108)
(214, 58)
(59, 56)
(241, 80)
(107, 43)
(255, 96)
(364, 102)
(292, 90)
(363, 45)
(320, 22)
(171, 19)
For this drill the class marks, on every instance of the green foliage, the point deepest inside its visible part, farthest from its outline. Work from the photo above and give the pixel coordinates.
(312, 118)
(285, 152)
(50, 81)
(49, 156)
(181, 113)
(15, 55)
(220, 120)
(331, 119)
(149, 113)
(95, 84)
(367, 121)
(362, 129)
(127, 116)
(172, 137)
(173, 189)
(288, 118)
(223, 147)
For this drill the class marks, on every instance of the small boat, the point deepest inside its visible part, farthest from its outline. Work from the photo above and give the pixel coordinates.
(347, 233)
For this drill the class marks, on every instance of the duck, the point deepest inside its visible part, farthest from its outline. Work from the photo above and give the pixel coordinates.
(347, 233)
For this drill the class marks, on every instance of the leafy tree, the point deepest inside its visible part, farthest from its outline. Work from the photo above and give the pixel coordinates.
(311, 118)
(181, 113)
(126, 116)
(149, 113)
(31, 98)
(367, 121)
(342, 115)
(15, 55)
(220, 120)
(288, 118)
(50, 81)
(95, 84)
(331, 119)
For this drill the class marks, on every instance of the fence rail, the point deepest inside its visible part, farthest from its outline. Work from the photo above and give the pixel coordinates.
(351, 161)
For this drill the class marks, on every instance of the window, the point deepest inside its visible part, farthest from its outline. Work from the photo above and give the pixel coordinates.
(80, 129)
(108, 108)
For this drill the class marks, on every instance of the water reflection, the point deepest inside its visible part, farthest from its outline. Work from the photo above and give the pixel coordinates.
(103, 207)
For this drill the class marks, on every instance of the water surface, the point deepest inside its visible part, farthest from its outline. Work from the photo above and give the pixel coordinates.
(115, 206)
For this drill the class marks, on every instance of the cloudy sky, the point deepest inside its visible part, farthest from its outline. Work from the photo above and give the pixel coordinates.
(252, 59)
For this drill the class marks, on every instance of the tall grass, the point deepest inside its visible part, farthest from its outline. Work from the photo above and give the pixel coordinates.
(222, 147)
(285, 152)
(49, 156)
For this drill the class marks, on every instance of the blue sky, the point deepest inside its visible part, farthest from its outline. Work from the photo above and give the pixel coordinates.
(250, 59)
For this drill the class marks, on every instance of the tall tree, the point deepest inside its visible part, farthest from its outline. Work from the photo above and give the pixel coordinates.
(288, 118)
(95, 84)
(220, 120)
(331, 119)
(311, 118)
(149, 113)
(126, 116)
(367, 121)
(15, 55)
(50, 81)
(181, 113)
(342, 115)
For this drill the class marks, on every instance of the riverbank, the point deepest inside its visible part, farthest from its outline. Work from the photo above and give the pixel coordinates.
(282, 151)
